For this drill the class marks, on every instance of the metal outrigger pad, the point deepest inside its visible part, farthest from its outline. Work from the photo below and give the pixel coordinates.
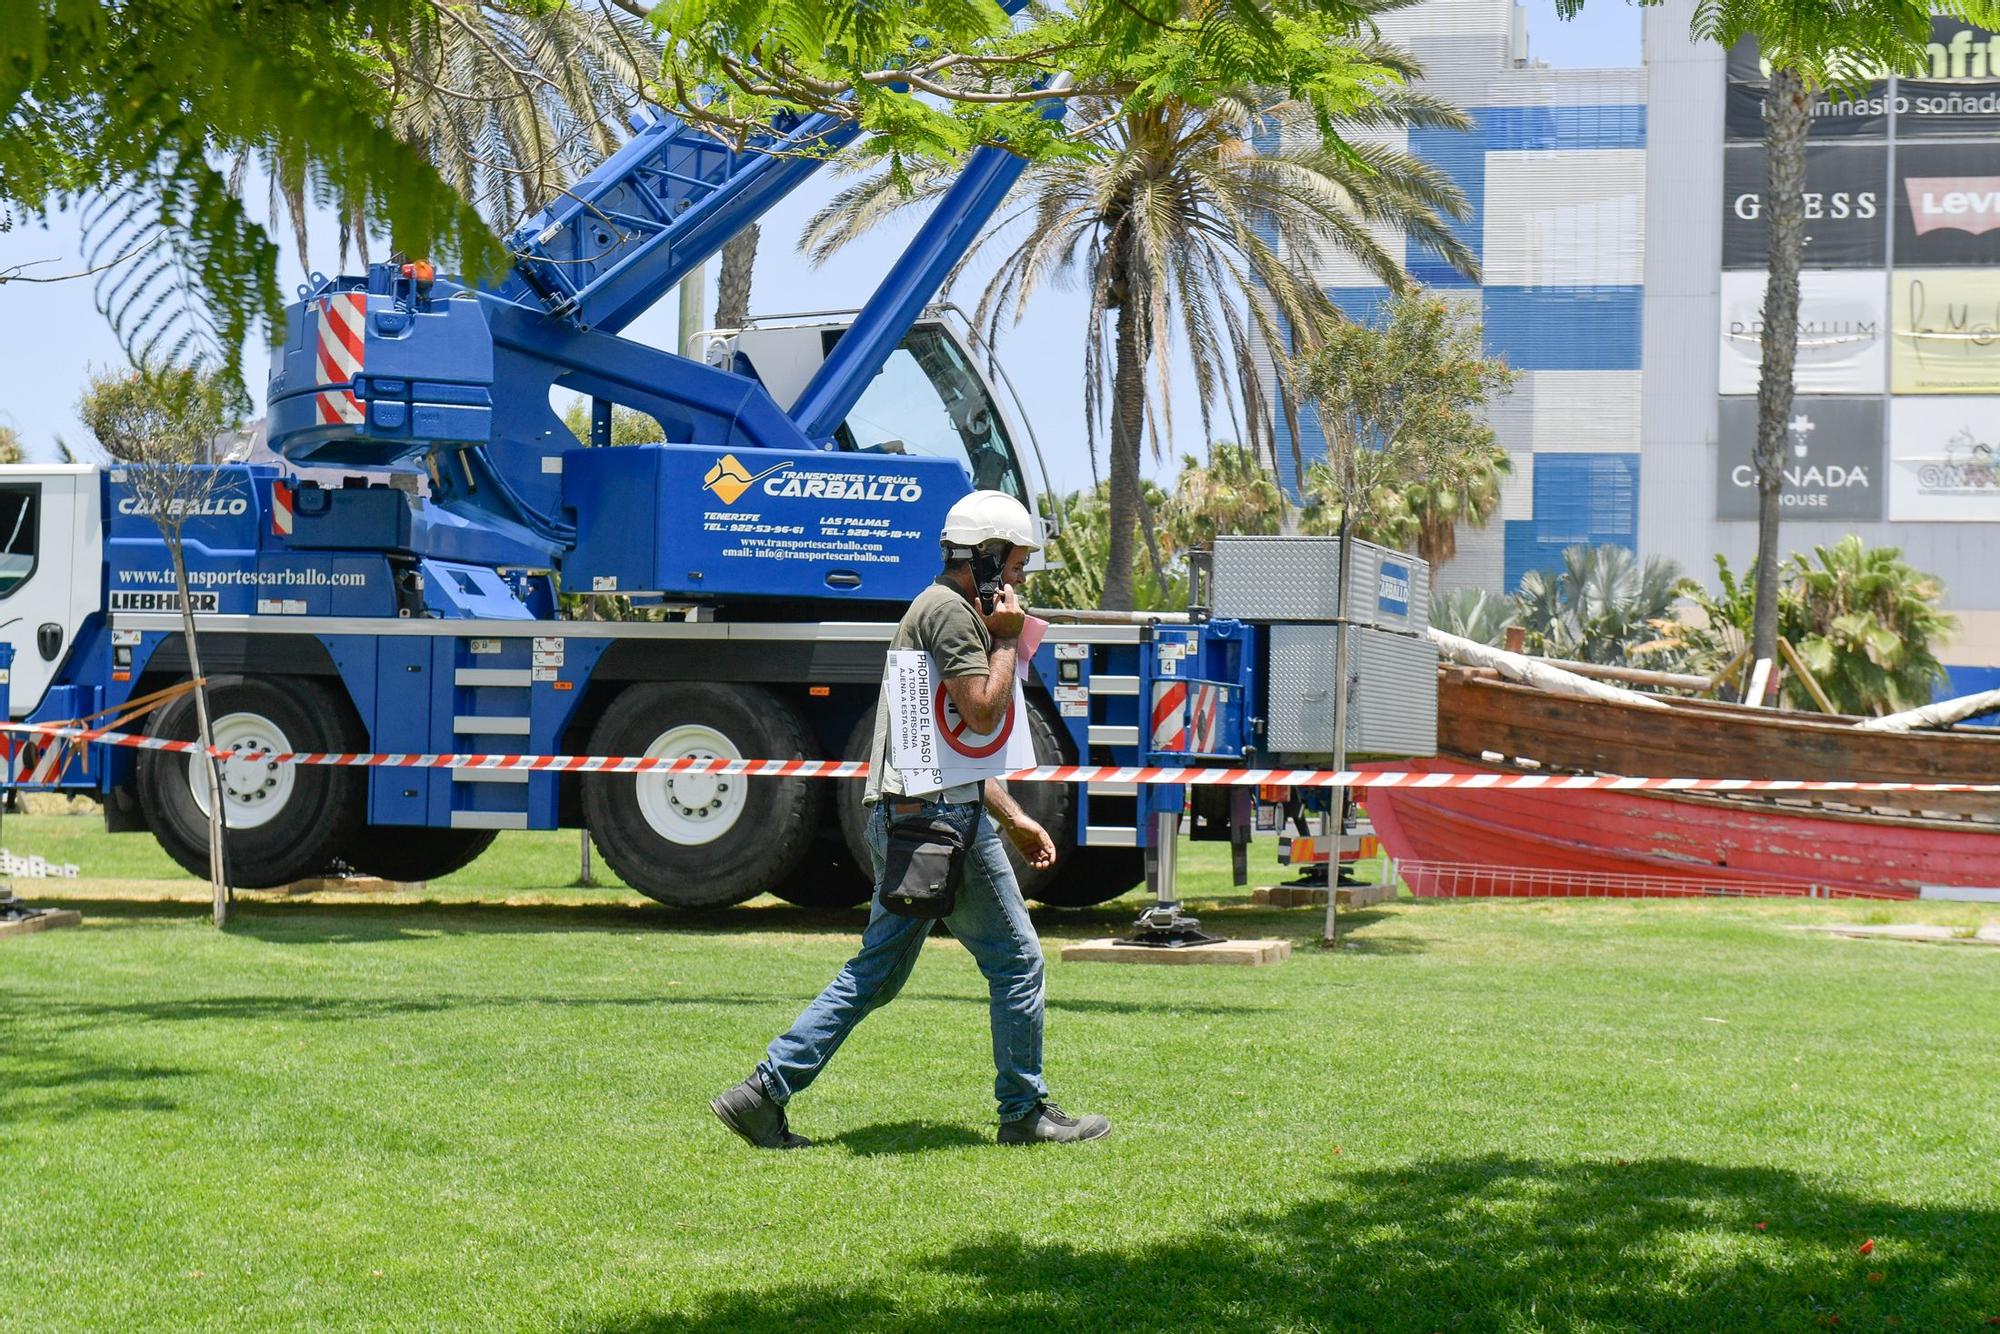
(1164, 926)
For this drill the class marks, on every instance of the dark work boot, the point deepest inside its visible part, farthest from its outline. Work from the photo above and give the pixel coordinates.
(1049, 1124)
(749, 1111)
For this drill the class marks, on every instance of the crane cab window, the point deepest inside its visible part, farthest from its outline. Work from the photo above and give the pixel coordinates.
(928, 400)
(20, 524)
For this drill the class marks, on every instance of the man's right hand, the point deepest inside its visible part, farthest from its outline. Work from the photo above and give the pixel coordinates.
(1006, 618)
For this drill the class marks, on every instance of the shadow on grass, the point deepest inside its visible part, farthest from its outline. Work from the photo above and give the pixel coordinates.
(45, 1082)
(311, 923)
(1476, 1243)
(901, 1137)
(55, 1015)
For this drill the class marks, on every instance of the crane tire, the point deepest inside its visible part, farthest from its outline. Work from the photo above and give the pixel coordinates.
(1053, 805)
(412, 853)
(699, 840)
(283, 823)
(827, 879)
(1091, 876)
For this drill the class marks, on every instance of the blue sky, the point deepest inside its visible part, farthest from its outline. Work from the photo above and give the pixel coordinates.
(53, 334)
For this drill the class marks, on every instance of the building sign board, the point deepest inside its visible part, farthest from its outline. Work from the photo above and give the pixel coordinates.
(1833, 459)
(1947, 331)
(1947, 202)
(1843, 206)
(1944, 459)
(1843, 334)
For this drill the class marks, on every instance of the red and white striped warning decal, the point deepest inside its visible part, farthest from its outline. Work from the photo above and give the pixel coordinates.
(1169, 715)
(1046, 773)
(281, 509)
(338, 345)
(38, 766)
(1207, 700)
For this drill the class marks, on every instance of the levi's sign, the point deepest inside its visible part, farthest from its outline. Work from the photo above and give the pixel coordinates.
(1964, 203)
(1947, 203)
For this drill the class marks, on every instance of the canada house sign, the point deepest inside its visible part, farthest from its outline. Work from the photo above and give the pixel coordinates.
(1832, 459)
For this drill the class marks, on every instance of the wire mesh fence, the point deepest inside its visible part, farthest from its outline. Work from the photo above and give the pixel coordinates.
(1464, 880)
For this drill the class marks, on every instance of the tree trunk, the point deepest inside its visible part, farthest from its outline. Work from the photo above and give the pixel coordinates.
(732, 284)
(218, 878)
(1788, 115)
(1128, 426)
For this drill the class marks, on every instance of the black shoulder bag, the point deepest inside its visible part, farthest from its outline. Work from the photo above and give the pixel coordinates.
(926, 858)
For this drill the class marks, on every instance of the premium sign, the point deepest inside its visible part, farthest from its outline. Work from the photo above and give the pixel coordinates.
(1944, 462)
(1947, 338)
(1947, 204)
(1843, 206)
(1833, 459)
(1842, 332)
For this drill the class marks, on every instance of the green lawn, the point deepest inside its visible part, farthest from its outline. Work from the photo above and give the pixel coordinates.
(461, 1112)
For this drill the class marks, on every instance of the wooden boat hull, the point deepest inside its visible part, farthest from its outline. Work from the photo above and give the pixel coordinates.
(1531, 843)
(1478, 715)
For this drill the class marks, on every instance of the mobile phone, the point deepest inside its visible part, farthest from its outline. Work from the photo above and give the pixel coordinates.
(986, 577)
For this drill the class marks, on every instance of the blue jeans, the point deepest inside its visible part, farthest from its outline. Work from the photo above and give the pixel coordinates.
(990, 920)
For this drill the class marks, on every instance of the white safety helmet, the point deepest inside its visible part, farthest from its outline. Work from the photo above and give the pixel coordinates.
(991, 516)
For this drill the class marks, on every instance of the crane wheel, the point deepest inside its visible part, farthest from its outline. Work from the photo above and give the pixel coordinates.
(411, 853)
(1092, 876)
(283, 822)
(828, 879)
(702, 840)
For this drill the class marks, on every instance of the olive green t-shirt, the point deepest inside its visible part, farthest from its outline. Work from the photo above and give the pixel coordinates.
(943, 624)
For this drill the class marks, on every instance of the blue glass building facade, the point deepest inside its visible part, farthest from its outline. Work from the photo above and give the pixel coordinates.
(1554, 173)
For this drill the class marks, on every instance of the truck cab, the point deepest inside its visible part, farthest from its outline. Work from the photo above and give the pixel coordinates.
(51, 569)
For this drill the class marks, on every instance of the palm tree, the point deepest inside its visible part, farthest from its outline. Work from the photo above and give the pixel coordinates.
(1190, 241)
(1870, 621)
(1231, 493)
(732, 279)
(1478, 614)
(1864, 621)
(1600, 607)
(514, 101)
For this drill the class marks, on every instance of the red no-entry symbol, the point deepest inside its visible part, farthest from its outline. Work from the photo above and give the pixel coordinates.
(958, 733)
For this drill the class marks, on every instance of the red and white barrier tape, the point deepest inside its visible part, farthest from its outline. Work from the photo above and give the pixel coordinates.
(1047, 773)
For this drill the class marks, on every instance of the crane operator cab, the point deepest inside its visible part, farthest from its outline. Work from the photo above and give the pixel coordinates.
(929, 400)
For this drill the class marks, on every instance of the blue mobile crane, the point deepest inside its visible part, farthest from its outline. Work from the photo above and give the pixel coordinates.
(410, 604)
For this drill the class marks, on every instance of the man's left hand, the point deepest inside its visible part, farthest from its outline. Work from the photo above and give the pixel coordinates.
(1033, 843)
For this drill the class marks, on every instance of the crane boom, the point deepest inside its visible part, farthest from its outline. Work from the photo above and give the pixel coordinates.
(400, 370)
(652, 211)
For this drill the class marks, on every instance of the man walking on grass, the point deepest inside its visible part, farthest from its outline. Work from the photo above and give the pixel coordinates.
(987, 539)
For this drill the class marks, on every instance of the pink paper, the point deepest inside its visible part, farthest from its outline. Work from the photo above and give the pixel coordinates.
(1032, 630)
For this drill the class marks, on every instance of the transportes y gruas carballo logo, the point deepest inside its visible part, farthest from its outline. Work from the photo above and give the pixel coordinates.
(729, 479)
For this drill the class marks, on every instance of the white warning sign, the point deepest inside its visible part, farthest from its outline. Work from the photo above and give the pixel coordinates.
(932, 746)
